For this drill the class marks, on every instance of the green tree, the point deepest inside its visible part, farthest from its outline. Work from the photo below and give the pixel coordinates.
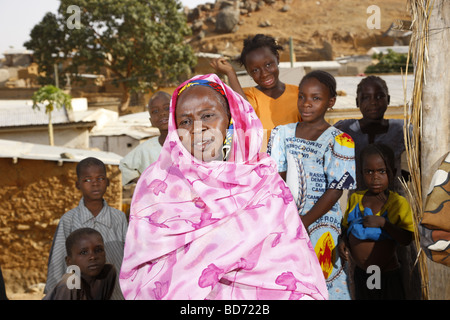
(52, 97)
(391, 62)
(47, 42)
(142, 42)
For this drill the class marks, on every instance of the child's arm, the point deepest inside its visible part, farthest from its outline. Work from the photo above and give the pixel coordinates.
(402, 236)
(343, 246)
(223, 66)
(322, 206)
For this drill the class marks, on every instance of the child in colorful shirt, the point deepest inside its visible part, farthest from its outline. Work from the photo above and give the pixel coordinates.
(376, 220)
(317, 162)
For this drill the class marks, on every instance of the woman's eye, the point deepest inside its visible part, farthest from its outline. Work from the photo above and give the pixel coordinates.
(207, 116)
(184, 123)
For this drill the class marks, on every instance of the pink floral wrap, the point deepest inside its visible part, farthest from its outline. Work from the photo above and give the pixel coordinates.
(217, 230)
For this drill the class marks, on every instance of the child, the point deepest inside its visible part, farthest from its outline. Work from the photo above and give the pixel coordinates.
(85, 249)
(135, 162)
(317, 162)
(92, 212)
(376, 220)
(274, 102)
(372, 98)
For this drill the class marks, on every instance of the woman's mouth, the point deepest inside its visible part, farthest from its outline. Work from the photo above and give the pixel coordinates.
(202, 145)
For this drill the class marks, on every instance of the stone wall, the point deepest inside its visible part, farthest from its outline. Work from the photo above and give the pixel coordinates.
(34, 194)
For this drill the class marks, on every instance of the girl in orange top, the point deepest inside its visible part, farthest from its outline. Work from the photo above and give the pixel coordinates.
(275, 102)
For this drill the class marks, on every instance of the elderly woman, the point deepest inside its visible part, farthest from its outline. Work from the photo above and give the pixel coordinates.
(212, 219)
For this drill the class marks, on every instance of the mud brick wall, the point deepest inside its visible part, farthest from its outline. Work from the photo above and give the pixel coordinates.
(34, 194)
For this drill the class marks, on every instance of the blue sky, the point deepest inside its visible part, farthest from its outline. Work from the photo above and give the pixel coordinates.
(18, 17)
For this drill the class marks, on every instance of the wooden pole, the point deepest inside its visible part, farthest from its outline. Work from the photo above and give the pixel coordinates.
(435, 141)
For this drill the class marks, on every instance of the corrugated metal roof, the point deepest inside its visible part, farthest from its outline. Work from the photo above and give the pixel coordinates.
(136, 125)
(21, 113)
(23, 150)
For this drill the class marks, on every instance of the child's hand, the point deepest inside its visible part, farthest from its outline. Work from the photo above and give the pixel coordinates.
(373, 221)
(343, 251)
(222, 65)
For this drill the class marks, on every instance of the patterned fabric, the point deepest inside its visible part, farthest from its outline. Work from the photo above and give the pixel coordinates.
(396, 210)
(435, 225)
(394, 138)
(313, 167)
(201, 82)
(219, 229)
(228, 140)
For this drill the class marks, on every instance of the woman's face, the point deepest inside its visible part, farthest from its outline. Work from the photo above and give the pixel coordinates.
(202, 119)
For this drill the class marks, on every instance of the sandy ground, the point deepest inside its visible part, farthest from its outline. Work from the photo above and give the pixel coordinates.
(310, 23)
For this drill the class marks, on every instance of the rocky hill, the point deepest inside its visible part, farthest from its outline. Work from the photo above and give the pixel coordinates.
(320, 29)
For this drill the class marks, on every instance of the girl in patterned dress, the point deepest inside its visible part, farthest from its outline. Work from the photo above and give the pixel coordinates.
(317, 161)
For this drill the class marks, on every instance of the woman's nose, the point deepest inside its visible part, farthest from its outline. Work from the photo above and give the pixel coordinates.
(198, 127)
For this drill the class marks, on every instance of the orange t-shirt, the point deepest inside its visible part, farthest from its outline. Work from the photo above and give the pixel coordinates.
(274, 112)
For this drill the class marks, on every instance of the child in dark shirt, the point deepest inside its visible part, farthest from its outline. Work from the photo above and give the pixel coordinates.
(96, 279)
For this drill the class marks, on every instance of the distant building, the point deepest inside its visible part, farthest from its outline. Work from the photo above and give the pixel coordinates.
(19, 122)
(123, 135)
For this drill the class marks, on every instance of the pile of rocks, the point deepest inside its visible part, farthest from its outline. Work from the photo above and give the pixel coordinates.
(224, 15)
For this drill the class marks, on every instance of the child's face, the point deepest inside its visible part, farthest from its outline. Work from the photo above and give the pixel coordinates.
(262, 65)
(159, 112)
(314, 100)
(372, 101)
(202, 121)
(92, 182)
(375, 173)
(88, 253)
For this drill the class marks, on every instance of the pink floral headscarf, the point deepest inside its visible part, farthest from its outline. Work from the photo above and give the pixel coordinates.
(219, 229)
